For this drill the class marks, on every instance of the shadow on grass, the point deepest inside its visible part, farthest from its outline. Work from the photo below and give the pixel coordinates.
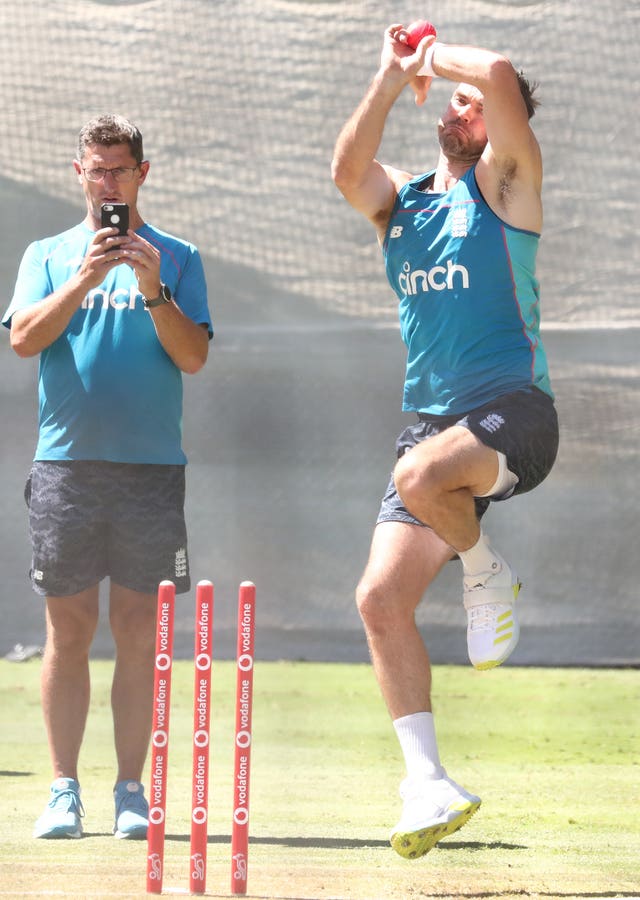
(335, 843)
(358, 843)
(482, 895)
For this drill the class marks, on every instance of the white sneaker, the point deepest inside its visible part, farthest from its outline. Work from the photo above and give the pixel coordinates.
(492, 626)
(432, 809)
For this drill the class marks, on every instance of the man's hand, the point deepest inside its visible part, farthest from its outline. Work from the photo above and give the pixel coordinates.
(420, 85)
(102, 256)
(144, 259)
(398, 56)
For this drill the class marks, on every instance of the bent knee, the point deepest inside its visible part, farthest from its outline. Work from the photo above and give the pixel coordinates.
(413, 480)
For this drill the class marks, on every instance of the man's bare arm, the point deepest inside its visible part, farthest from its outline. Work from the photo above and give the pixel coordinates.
(39, 325)
(510, 169)
(186, 342)
(369, 186)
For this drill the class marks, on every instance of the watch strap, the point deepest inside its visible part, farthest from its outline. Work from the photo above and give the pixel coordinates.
(163, 297)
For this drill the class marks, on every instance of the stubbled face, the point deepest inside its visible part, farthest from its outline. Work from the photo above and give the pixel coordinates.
(108, 190)
(461, 130)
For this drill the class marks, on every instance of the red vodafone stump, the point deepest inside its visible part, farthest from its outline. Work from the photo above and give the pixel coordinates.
(242, 766)
(160, 735)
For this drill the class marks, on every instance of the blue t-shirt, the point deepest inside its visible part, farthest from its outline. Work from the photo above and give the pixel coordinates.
(469, 300)
(107, 388)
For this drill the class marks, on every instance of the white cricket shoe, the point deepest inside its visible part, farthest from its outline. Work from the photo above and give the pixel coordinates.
(432, 809)
(492, 626)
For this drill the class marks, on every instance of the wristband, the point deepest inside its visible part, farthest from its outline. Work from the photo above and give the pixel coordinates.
(427, 67)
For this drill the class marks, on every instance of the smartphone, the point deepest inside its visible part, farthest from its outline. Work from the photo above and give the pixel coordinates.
(115, 215)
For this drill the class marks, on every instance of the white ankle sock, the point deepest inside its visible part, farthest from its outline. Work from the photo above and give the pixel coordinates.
(480, 557)
(417, 737)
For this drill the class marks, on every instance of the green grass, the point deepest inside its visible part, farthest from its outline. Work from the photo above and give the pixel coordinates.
(555, 755)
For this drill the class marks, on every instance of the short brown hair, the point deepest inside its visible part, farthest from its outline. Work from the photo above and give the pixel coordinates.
(109, 130)
(528, 89)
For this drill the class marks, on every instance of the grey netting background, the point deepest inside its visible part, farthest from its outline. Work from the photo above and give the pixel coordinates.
(290, 428)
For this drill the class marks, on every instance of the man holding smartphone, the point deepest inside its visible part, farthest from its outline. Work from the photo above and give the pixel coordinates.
(117, 311)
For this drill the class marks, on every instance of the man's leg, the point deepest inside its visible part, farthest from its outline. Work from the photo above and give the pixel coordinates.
(132, 616)
(438, 481)
(65, 690)
(404, 560)
(65, 683)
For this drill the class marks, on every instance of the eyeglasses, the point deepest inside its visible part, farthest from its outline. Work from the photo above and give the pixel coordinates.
(119, 174)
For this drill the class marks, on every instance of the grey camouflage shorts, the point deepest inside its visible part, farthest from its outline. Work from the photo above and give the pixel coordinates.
(89, 520)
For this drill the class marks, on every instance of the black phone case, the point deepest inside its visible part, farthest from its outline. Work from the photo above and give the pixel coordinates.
(115, 215)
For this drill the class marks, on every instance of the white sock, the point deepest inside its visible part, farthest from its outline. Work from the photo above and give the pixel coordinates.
(417, 737)
(480, 557)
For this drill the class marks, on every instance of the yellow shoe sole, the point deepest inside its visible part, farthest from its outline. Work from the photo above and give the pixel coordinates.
(413, 844)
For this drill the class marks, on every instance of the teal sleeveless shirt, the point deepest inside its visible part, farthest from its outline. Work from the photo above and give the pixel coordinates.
(469, 302)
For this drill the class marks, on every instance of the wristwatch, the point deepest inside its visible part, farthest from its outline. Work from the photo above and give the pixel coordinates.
(163, 297)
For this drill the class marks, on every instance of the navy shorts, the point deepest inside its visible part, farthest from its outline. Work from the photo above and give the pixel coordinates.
(89, 520)
(523, 425)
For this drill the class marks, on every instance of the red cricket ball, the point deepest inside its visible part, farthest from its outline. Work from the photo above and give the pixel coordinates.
(418, 30)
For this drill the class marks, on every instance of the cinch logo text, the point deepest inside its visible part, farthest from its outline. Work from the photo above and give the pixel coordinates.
(438, 278)
(122, 298)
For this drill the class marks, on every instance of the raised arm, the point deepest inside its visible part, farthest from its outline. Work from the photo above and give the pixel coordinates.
(369, 186)
(509, 172)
